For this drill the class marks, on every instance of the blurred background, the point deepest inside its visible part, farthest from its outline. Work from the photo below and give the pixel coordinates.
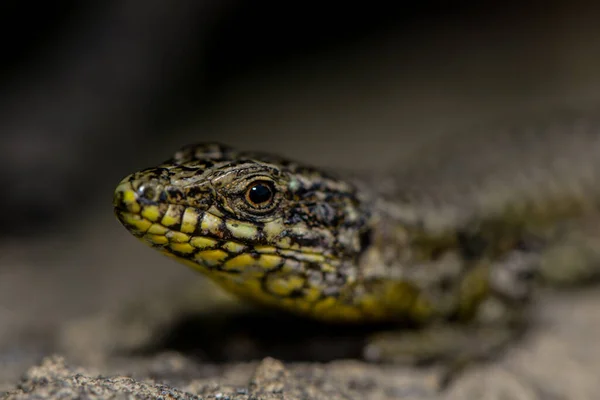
(91, 91)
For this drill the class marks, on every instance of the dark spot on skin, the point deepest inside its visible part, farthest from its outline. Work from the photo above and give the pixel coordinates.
(472, 246)
(186, 168)
(156, 173)
(296, 294)
(530, 244)
(194, 191)
(446, 284)
(300, 191)
(305, 241)
(526, 275)
(294, 216)
(436, 253)
(312, 266)
(366, 239)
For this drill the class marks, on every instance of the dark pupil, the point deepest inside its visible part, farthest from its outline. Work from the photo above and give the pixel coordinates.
(260, 193)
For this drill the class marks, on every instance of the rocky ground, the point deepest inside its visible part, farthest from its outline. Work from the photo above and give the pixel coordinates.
(151, 331)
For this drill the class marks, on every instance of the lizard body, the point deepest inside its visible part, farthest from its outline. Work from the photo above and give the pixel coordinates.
(457, 233)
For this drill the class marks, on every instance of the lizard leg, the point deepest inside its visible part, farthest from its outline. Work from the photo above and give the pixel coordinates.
(454, 346)
(457, 342)
(575, 258)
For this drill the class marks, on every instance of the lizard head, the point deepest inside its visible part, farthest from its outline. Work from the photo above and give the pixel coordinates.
(263, 227)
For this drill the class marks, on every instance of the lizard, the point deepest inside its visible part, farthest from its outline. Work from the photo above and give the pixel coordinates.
(454, 241)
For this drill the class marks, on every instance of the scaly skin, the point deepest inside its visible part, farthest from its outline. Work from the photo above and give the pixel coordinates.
(299, 250)
(314, 247)
(360, 250)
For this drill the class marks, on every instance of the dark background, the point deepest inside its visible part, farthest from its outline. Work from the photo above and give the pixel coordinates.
(91, 91)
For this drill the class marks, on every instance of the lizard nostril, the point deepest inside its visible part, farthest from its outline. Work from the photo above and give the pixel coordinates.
(147, 192)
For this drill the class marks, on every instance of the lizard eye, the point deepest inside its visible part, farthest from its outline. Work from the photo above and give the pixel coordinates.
(260, 194)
